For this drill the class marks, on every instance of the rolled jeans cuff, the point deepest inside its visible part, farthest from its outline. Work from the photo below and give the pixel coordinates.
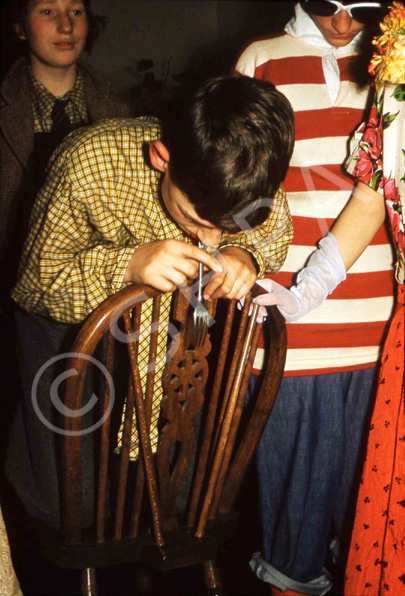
(264, 571)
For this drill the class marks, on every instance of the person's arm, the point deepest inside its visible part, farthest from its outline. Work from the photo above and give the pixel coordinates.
(252, 252)
(358, 223)
(81, 265)
(338, 251)
(167, 264)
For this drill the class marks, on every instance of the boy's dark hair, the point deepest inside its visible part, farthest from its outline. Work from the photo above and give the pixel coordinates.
(229, 145)
(18, 10)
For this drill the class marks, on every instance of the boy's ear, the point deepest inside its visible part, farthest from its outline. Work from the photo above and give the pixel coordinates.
(159, 155)
(19, 31)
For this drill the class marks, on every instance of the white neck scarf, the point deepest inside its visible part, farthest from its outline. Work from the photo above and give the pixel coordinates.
(303, 27)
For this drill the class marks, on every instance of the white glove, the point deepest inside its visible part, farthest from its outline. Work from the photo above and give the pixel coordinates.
(325, 271)
(287, 303)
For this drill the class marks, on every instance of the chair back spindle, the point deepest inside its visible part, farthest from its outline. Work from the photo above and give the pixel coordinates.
(159, 505)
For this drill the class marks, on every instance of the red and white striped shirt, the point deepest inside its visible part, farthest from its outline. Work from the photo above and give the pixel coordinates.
(346, 332)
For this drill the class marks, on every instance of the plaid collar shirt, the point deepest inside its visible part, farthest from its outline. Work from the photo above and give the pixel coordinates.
(99, 203)
(43, 102)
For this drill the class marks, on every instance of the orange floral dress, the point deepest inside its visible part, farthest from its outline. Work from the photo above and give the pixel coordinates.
(376, 563)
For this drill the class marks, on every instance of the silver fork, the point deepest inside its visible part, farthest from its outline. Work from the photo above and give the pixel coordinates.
(201, 314)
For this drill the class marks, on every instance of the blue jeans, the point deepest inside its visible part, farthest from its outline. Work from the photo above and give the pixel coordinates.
(307, 462)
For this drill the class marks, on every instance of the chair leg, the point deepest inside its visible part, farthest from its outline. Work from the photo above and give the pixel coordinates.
(213, 579)
(89, 583)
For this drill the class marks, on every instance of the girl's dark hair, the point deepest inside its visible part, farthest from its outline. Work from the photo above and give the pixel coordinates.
(359, 65)
(17, 11)
(230, 143)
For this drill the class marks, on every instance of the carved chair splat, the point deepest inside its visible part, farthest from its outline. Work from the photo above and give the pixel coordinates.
(162, 509)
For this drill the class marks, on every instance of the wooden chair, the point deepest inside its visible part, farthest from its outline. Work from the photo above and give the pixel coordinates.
(135, 519)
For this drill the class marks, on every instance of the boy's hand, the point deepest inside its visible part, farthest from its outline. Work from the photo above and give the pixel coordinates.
(238, 276)
(167, 264)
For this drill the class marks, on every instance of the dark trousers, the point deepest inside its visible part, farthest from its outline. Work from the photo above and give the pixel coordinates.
(35, 439)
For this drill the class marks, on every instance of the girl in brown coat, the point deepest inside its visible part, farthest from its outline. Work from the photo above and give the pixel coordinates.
(56, 33)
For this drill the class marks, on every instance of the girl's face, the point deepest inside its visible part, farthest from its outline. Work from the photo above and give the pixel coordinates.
(339, 29)
(56, 32)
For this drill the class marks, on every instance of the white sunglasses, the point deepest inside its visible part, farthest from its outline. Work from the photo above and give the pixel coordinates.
(362, 12)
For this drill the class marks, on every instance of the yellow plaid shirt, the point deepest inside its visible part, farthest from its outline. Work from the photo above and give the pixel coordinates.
(99, 203)
(43, 102)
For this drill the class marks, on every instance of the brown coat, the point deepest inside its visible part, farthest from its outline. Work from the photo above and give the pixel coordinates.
(17, 144)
